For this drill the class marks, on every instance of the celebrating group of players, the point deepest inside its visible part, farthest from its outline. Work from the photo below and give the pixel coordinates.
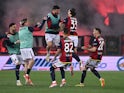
(20, 44)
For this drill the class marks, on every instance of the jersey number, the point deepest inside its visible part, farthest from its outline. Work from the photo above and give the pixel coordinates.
(73, 24)
(68, 47)
(101, 45)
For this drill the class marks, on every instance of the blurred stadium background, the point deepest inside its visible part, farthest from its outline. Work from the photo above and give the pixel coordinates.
(105, 14)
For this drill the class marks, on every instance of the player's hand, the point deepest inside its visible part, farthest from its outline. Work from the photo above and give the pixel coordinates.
(83, 47)
(62, 26)
(38, 24)
(17, 42)
(44, 18)
(8, 35)
(89, 46)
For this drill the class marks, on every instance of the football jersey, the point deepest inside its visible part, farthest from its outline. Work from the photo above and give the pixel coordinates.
(99, 44)
(25, 37)
(55, 22)
(67, 48)
(15, 49)
(71, 25)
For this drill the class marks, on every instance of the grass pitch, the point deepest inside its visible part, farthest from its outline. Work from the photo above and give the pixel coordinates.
(41, 80)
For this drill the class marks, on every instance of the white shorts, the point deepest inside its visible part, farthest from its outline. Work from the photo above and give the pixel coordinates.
(55, 38)
(17, 59)
(57, 63)
(27, 53)
(74, 39)
(92, 63)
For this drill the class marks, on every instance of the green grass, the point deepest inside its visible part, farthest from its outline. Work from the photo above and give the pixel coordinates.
(41, 79)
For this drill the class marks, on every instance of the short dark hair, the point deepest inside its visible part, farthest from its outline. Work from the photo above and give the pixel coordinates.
(98, 29)
(73, 12)
(22, 22)
(11, 24)
(56, 7)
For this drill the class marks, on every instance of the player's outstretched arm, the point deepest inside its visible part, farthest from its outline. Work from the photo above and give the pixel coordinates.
(3, 36)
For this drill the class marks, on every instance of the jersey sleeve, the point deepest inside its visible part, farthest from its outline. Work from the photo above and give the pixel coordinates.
(8, 42)
(39, 27)
(95, 43)
(31, 29)
(60, 45)
(3, 36)
(36, 27)
(65, 21)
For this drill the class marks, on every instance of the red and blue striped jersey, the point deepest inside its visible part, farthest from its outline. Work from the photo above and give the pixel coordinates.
(67, 48)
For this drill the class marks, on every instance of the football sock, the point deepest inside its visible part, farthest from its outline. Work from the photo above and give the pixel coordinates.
(28, 71)
(52, 73)
(83, 76)
(96, 73)
(76, 57)
(17, 72)
(62, 72)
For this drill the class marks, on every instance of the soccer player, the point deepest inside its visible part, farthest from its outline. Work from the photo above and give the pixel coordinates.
(96, 50)
(71, 24)
(52, 29)
(26, 45)
(65, 49)
(13, 46)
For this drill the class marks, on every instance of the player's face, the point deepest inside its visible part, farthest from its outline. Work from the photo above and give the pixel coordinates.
(27, 23)
(95, 33)
(69, 13)
(13, 29)
(57, 11)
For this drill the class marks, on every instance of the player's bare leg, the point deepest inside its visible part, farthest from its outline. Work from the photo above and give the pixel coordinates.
(29, 67)
(49, 45)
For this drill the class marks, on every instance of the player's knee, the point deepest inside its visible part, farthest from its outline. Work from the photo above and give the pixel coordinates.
(49, 44)
(92, 69)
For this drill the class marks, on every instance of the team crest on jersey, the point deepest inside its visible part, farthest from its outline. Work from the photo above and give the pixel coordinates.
(94, 39)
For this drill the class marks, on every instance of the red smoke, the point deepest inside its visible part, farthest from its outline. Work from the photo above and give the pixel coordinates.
(104, 7)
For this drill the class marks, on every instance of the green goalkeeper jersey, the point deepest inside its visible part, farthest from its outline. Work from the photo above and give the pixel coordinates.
(25, 37)
(54, 24)
(15, 48)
